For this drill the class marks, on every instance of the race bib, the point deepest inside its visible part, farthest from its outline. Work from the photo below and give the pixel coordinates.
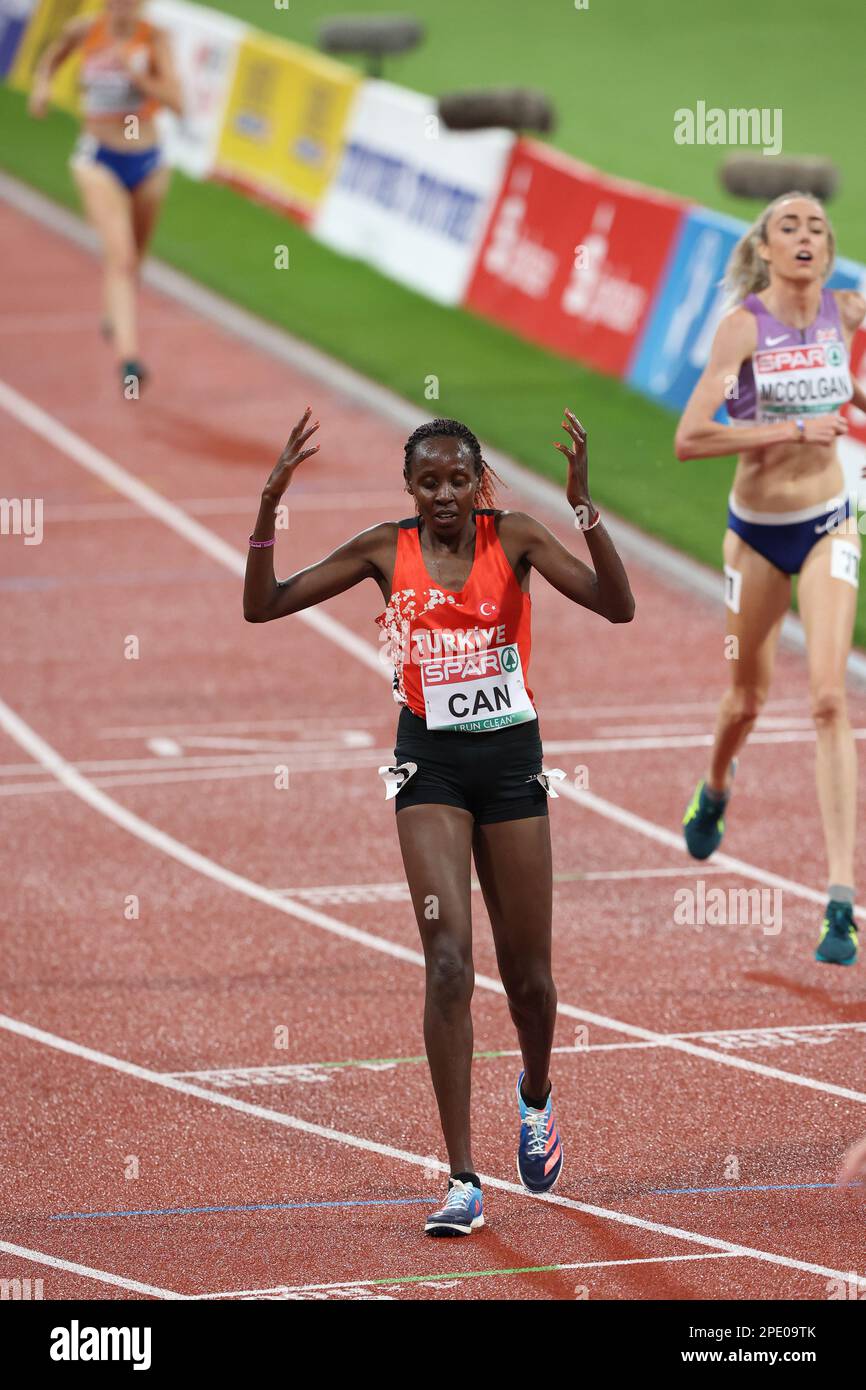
(845, 562)
(476, 691)
(801, 379)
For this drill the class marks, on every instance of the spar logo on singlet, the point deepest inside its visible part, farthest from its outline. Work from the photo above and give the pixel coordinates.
(476, 691)
(450, 670)
(812, 378)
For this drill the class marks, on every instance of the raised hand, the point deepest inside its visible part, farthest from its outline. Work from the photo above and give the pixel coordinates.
(293, 454)
(577, 486)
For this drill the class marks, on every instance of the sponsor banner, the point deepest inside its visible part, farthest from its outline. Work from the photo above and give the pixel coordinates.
(856, 417)
(675, 344)
(14, 18)
(848, 275)
(572, 258)
(204, 47)
(284, 122)
(49, 18)
(410, 197)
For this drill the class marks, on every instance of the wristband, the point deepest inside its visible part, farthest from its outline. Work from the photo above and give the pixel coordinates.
(596, 519)
(260, 544)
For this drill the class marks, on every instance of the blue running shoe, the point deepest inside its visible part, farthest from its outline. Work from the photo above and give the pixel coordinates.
(837, 944)
(462, 1213)
(539, 1154)
(703, 822)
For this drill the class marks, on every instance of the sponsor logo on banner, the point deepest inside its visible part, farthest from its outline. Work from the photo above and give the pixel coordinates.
(675, 344)
(204, 46)
(14, 17)
(410, 197)
(572, 258)
(284, 123)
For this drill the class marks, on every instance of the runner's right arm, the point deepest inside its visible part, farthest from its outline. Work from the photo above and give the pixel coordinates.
(70, 37)
(265, 596)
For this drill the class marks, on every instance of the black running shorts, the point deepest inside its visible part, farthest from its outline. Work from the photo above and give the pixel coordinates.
(492, 775)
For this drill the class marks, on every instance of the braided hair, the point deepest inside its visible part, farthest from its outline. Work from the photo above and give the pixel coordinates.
(454, 429)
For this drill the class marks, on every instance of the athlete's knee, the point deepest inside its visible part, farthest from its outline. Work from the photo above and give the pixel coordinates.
(450, 975)
(530, 992)
(744, 703)
(829, 706)
(121, 259)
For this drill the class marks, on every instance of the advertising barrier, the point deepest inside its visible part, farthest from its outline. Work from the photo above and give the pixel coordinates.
(204, 47)
(409, 196)
(14, 18)
(572, 259)
(284, 123)
(605, 271)
(675, 344)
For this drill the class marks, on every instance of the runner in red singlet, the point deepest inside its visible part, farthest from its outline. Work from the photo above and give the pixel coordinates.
(467, 779)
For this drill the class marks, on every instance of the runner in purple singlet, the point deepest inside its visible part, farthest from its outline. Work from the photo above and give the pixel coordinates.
(780, 361)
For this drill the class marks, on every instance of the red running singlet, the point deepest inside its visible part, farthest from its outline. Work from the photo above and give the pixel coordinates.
(460, 659)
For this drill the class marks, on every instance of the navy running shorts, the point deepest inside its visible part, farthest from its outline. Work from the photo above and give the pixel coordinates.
(492, 775)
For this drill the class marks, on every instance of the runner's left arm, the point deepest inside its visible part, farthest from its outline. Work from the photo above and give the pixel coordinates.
(162, 82)
(604, 589)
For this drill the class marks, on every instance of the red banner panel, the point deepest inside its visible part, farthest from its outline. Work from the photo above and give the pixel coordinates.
(857, 418)
(571, 258)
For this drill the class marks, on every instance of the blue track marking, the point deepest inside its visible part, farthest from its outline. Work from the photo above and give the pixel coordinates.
(740, 1187)
(258, 1206)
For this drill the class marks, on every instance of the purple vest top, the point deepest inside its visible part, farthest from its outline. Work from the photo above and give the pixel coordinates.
(793, 371)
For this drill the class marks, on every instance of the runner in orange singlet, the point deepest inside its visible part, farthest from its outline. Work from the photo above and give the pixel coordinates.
(467, 778)
(126, 75)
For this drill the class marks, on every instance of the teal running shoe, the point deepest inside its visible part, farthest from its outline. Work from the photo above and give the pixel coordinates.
(837, 944)
(703, 822)
(462, 1213)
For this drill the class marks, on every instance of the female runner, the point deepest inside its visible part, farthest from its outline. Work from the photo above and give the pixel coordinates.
(126, 75)
(467, 779)
(785, 351)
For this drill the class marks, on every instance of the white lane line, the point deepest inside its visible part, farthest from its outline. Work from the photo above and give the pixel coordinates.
(36, 746)
(629, 744)
(224, 506)
(310, 723)
(723, 1037)
(162, 747)
(458, 1277)
(193, 533)
(355, 1141)
(110, 472)
(367, 717)
(662, 836)
(100, 1275)
(323, 751)
(80, 451)
(679, 571)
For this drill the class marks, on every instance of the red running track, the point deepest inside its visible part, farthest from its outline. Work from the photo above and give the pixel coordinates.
(212, 1059)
